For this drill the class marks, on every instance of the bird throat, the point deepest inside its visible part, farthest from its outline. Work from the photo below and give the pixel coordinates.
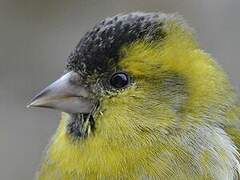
(80, 125)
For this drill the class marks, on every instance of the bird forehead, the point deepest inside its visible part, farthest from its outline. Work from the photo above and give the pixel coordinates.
(99, 49)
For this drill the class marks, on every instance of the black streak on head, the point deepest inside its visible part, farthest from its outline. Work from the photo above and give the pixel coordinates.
(98, 49)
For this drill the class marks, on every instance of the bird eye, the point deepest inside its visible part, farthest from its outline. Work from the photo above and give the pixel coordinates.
(119, 80)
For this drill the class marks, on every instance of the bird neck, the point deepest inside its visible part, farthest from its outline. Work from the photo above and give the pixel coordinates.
(147, 155)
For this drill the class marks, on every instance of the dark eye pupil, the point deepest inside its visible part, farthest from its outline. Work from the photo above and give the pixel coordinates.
(119, 80)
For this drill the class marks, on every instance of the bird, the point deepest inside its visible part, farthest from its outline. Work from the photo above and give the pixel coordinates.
(140, 99)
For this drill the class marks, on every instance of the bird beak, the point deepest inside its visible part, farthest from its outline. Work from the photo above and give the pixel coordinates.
(66, 94)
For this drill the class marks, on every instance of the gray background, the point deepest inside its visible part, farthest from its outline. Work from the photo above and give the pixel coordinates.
(37, 36)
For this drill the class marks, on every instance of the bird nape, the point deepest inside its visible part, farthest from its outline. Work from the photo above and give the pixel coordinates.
(141, 100)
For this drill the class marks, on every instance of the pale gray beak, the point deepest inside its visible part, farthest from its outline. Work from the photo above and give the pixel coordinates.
(66, 94)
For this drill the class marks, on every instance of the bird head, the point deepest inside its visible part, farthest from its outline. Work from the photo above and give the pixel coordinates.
(135, 76)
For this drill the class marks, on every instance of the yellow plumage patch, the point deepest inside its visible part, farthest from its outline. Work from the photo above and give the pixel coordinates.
(178, 53)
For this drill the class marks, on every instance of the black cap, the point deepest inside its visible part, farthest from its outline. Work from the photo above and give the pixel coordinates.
(99, 48)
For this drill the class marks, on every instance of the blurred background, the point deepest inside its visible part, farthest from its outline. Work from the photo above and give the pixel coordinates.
(36, 38)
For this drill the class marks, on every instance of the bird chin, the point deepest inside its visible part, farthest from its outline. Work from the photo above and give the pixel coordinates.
(81, 125)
